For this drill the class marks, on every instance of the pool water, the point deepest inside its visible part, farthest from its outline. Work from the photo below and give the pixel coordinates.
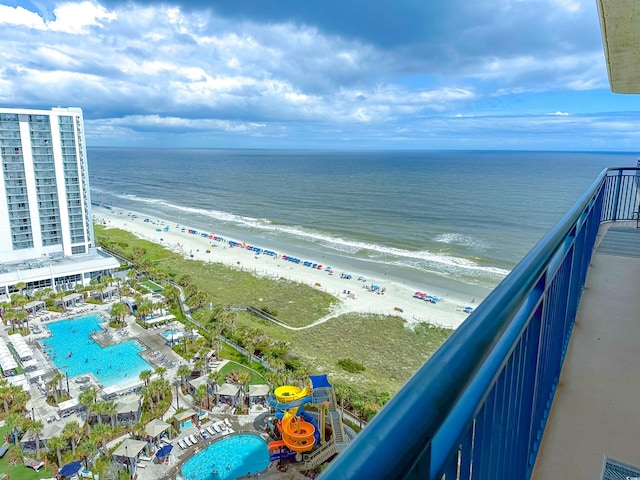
(230, 458)
(74, 352)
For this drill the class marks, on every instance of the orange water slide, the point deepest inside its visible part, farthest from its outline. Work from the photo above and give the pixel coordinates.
(275, 445)
(296, 433)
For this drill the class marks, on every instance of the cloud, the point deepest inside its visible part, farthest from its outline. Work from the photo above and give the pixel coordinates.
(301, 71)
(73, 18)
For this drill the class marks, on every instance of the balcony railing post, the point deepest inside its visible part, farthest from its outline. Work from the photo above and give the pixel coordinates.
(616, 193)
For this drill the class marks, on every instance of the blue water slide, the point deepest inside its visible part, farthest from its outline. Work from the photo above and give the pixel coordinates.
(307, 417)
(282, 455)
(289, 405)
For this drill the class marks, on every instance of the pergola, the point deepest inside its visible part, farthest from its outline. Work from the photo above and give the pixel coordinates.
(129, 451)
(155, 428)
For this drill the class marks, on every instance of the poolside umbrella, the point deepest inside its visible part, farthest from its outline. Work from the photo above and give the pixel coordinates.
(164, 451)
(70, 469)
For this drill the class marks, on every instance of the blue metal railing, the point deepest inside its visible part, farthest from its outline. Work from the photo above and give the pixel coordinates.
(478, 407)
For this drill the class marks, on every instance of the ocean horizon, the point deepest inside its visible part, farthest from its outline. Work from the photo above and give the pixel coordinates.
(458, 220)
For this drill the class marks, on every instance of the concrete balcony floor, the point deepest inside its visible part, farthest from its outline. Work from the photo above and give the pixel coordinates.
(596, 410)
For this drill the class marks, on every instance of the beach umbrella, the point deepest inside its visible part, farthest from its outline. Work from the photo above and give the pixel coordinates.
(164, 451)
(70, 469)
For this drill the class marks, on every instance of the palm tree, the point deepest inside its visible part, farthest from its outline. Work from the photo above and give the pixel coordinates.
(99, 432)
(199, 365)
(147, 394)
(57, 444)
(87, 398)
(160, 370)
(71, 431)
(98, 409)
(111, 409)
(183, 372)
(87, 449)
(171, 293)
(22, 316)
(243, 378)
(20, 286)
(119, 311)
(138, 431)
(53, 384)
(145, 376)
(200, 394)
(15, 421)
(6, 395)
(35, 427)
(144, 308)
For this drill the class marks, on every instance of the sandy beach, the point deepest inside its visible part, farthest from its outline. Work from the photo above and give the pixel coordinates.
(390, 298)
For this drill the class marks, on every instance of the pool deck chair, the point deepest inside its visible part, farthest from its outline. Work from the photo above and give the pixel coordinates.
(35, 464)
(211, 431)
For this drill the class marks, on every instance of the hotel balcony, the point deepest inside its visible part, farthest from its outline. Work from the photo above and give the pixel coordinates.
(541, 380)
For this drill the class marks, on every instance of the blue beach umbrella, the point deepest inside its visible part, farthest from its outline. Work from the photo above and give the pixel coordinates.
(164, 451)
(70, 469)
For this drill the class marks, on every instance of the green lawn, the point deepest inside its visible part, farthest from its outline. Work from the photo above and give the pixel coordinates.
(152, 286)
(20, 471)
(389, 350)
(256, 378)
(295, 304)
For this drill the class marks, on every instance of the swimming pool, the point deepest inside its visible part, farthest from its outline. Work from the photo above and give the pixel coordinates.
(74, 352)
(230, 458)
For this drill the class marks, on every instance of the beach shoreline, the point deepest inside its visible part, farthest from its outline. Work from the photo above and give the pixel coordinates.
(391, 297)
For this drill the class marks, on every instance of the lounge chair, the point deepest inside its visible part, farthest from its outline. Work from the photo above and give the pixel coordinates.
(145, 459)
(35, 464)
(228, 422)
(141, 465)
(203, 432)
(193, 439)
(217, 428)
(187, 441)
(211, 431)
(182, 445)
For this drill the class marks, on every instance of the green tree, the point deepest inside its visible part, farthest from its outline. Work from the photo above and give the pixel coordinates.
(57, 444)
(35, 428)
(145, 376)
(200, 394)
(183, 372)
(15, 422)
(71, 431)
(119, 311)
(101, 432)
(160, 371)
(111, 409)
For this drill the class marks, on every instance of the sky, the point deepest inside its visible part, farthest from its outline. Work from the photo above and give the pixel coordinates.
(348, 74)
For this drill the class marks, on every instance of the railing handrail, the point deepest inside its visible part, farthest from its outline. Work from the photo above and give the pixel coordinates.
(422, 405)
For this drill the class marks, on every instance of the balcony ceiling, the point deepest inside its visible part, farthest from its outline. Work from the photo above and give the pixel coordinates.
(620, 24)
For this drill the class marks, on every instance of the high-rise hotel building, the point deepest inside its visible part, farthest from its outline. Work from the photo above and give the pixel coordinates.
(46, 230)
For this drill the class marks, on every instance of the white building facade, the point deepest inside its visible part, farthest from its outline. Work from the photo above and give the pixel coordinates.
(46, 230)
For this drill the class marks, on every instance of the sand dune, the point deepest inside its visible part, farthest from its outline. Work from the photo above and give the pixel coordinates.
(390, 298)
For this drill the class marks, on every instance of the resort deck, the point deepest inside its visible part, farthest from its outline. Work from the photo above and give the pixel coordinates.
(595, 410)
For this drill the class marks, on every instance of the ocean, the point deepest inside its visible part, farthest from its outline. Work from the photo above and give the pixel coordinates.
(452, 219)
